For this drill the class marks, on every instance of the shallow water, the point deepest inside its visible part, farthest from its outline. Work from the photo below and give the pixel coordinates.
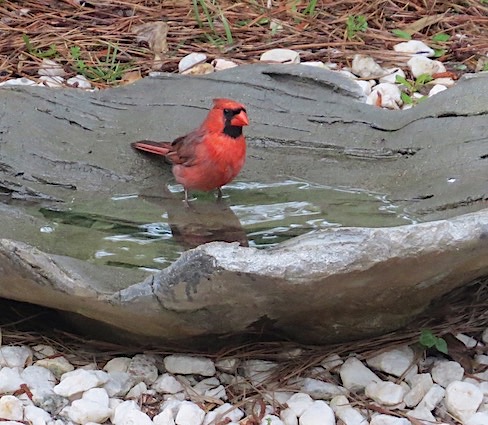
(151, 230)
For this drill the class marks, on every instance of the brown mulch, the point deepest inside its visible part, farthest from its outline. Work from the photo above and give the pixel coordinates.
(93, 26)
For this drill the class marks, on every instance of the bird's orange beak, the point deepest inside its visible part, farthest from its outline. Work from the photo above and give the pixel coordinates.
(240, 120)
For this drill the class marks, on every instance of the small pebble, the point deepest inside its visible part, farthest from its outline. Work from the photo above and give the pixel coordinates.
(356, 376)
(463, 399)
(436, 89)
(415, 47)
(79, 81)
(366, 67)
(222, 64)
(394, 362)
(188, 365)
(280, 56)
(445, 372)
(189, 61)
(299, 402)
(385, 95)
(11, 408)
(318, 413)
(420, 65)
(385, 392)
(51, 68)
(189, 414)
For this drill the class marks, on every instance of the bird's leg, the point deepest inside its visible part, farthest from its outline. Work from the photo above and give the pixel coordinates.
(219, 194)
(186, 198)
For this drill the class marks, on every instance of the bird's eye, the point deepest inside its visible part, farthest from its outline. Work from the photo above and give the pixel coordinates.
(227, 111)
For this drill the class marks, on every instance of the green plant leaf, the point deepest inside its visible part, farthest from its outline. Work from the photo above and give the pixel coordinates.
(355, 24)
(402, 34)
(441, 345)
(423, 79)
(402, 80)
(407, 100)
(441, 38)
(439, 52)
(427, 338)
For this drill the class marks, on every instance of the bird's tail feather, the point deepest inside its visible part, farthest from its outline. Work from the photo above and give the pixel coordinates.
(157, 148)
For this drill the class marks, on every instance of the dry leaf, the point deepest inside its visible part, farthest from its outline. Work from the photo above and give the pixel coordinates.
(421, 23)
(154, 33)
(131, 77)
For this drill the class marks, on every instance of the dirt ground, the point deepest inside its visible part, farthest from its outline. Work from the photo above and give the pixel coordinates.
(107, 42)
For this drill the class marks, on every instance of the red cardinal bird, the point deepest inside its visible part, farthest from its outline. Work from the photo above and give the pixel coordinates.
(210, 156)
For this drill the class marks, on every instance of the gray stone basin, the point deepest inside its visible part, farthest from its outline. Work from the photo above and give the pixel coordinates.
(59, 147)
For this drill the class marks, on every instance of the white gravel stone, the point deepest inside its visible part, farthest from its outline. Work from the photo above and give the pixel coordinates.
(366, 67)
(92, 407)
(118, 364)
(422, 413)
(41, 351)
(480, 418)
(136, 391)
(389, 420)
(135, 417)
(53, 82)
(331, 362)
(227, 365)
(365, 86)
(119, 384)
(356, 376)
(385, 392)
(217, 392)
(422, 65)
(316, 64)
(347, 414)
(10, 380)
(347, 74)
(445, 81)
(436, 89)
(51, 68)
(15, 356)
(484, 336)
(414, 47)
(57, 365)
(271, 420)
(188, 365)
(80, 380)
(280, 56)
(205, 385)
(189, 61)
(258, 371)
(11, 408)
(220, 64)
(79, 81)
(318, 413)
(36, 415)
(167, 383)
(18, 82)
(223, 413)
(40, 382)
(288, 417)
(394, 362)
(273, 397)
(166, 417)
(419, 384)
(143, 368)
(463, 399)
(121, 410)
(189, 414)
(321, 390)
(468, 341)
(445, 372)
(433, 397)
(391, 74)
(299, 402)
(385, 95)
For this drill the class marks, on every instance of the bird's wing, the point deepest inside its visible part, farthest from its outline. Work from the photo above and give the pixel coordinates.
(184, 148)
